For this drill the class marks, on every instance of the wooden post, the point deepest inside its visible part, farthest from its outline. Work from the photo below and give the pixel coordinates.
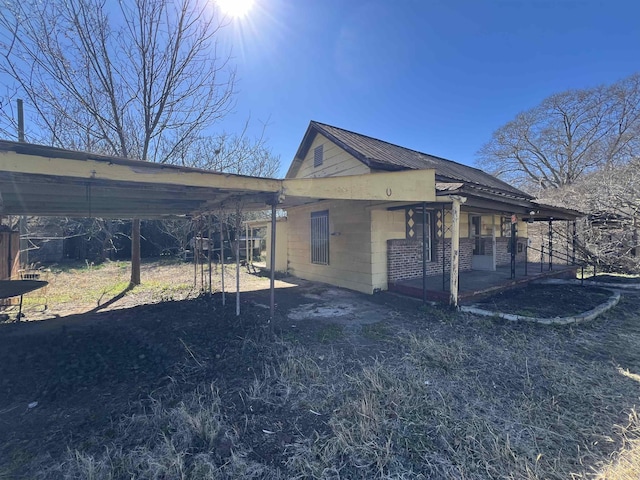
(442, 245)
(493, 243)
(246, 244)
(424, 252)
(455, 249)
(272, 276)
(135, 252)
(513, 242)
(201, 255)
(573, 244)
(209, 248)
(222, 259)
(551, 243)
(238, 228)
(194, 253)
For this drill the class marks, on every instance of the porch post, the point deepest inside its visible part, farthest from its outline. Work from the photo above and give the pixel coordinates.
(493, 242)
(209, 247)
(222, 259)
(424, 252)
(246, 244)
(513, 241)
(455, 248)
(442, 243)
(272, 277)
(238, 226)
(566, 240)
(573, 244)
(551, 243)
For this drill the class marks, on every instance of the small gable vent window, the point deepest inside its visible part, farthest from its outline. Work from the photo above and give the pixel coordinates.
(317, 156)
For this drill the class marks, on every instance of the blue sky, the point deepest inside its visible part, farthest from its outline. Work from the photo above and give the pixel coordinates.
(435, 76)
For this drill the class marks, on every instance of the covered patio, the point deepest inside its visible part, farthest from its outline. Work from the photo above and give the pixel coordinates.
(475, 284)
(478, 243)
(47, 181)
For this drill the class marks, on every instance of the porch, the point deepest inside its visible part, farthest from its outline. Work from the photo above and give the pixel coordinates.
(475, 284)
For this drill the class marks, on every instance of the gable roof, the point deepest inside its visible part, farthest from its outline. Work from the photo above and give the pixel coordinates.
(381, 155)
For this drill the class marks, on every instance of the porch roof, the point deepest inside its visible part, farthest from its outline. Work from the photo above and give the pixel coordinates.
(483, 199)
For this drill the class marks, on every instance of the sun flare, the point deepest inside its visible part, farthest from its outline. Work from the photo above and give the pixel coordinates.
(235, 8)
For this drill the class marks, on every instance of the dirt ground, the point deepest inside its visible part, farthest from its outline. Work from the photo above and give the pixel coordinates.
(547, 301)
(68, 371)
(68, 379)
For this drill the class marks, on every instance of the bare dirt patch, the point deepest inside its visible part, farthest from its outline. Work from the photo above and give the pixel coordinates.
(547, 300)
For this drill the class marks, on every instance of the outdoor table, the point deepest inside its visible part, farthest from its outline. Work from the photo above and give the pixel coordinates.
(14, 288)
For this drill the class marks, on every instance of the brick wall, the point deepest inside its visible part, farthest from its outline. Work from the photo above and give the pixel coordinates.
(404, 258)
(503, 256)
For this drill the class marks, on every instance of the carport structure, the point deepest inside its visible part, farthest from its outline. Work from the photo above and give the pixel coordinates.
(47, 181)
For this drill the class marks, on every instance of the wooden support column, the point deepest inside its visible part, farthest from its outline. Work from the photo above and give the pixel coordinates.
(135, 252)
(574, 238)
(424, 252)
(272, 256)
(209, 247)
(194, 253)
(442, 245)
(238, 226)
(551, 243)
(634, 235)
(513, 242)
(455, 248)
(493, 243)
(246, 244)
(222, 259)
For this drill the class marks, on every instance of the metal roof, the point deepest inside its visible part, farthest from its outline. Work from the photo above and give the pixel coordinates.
(380, 155)
(48, 181)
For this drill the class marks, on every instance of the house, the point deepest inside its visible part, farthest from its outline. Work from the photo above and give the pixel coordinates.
(372, 245)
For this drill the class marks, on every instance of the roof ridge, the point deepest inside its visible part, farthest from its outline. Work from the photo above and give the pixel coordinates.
(393, 144)
(435, 157)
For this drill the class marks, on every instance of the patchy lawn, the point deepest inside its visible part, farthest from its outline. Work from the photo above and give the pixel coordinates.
(185, 389)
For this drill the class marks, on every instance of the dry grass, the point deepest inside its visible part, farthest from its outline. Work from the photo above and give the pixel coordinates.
(179, 442)
(81, 287)
(450, 396)
(625, 464)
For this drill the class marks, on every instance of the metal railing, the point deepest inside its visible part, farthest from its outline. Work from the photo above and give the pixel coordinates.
(563, 258)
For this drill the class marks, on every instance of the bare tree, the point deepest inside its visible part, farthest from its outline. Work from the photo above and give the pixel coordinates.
(610, 229)
(140, 80)
(567, 136)
(231, 153)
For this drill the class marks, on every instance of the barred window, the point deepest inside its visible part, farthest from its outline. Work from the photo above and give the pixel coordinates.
(320, 237)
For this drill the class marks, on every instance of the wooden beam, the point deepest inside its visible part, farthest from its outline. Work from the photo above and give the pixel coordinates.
(403, 186)
(131, 171)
